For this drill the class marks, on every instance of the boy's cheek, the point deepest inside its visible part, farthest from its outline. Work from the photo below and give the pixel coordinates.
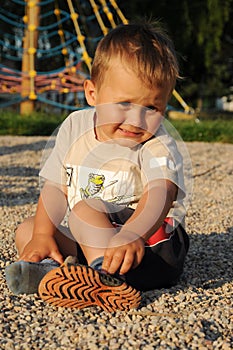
(109, 113)
(154, 124)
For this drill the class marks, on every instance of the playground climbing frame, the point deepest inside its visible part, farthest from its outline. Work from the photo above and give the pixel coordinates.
(40, 33)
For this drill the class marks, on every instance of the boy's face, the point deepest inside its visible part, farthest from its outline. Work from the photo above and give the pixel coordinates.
(126, 110)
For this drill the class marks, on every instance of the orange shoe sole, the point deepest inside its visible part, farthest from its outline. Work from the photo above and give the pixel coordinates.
(81, 286)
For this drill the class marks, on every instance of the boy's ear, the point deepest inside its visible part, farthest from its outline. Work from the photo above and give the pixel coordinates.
(89, 88)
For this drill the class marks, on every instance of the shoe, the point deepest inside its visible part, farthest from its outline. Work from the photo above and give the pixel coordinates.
(80, 286)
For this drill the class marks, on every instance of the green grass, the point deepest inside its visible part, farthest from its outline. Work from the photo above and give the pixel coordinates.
(215, 130)
(35, 124)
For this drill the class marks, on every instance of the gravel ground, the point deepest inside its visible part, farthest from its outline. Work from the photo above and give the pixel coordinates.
(195, 314)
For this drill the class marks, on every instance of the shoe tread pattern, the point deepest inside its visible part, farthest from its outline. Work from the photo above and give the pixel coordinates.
(81, 286)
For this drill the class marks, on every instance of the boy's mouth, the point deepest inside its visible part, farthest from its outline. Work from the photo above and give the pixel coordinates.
(130, 133)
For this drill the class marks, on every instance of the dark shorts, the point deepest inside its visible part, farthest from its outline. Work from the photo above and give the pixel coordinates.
(164, 256)
(162, 264)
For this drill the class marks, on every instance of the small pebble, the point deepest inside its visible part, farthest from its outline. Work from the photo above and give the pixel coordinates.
(194, 314)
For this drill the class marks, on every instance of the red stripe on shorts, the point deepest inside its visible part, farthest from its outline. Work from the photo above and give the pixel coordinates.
(161, 235)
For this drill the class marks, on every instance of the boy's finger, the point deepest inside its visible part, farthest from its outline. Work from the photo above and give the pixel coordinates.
(116, 262)
(137, 259)
(107, 260)
(57, 257)
(127, 263)
(31, 258)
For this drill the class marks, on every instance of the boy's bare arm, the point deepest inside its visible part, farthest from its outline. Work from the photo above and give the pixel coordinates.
(52, 205)
(126, 249)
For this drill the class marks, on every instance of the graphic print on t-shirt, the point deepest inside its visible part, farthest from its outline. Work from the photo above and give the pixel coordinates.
(95, 185)
(84, 182)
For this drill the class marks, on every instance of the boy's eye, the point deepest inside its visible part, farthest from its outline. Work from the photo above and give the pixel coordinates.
(153, 108)
(125, 105)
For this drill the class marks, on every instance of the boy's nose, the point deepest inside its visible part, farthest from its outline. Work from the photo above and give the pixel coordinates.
(135, 116)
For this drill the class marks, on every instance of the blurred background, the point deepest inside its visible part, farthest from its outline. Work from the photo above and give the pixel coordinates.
(202, 31)
(46, 48)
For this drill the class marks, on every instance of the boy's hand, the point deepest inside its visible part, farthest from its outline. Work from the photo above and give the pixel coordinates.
(125, 251)
(40, 247)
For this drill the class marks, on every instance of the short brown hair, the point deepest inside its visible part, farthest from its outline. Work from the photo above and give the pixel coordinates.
(146, 49)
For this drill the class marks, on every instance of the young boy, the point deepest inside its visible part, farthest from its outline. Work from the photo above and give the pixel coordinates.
(119, 174)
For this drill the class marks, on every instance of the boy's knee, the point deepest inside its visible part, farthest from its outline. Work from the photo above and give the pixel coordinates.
(79, 206)
(83, 213)
(89, 205)
(24, 231)
(20, 230)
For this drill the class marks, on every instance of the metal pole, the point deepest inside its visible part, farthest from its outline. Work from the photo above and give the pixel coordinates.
(28, 60)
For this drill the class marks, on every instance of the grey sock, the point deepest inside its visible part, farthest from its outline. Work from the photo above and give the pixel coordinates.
(97, 263)
(24, 277)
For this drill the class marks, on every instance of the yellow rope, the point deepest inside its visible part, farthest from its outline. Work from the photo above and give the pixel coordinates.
(118, 11)
(108, 13)
(80, 37)
(98, 17)
(60, 31)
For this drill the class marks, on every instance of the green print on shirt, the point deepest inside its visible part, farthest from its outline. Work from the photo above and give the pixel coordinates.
(96, 185)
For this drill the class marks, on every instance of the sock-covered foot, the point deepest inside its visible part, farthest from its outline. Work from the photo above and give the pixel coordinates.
(24, 277)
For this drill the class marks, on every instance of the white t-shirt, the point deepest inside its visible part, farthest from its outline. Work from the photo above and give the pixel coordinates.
(109, 171)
